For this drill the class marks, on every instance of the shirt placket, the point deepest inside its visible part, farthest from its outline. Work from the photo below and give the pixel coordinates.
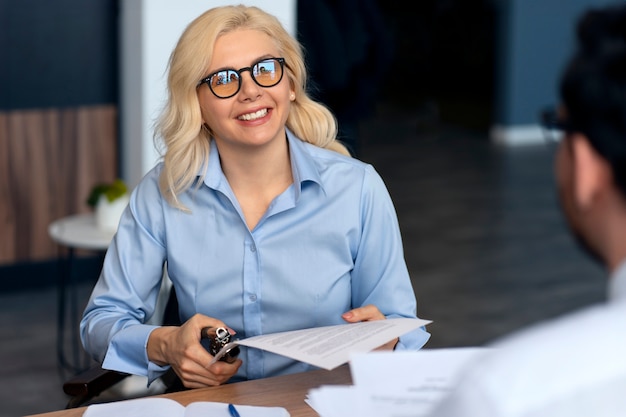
(252, 305)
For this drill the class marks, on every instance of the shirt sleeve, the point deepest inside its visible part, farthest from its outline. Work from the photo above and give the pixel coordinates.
(123, 356)
(113, 327)
(380, 275)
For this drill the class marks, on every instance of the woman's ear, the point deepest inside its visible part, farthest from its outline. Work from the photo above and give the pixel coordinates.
(591, 171)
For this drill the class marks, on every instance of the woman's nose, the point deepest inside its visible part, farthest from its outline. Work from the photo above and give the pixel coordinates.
(249, 88)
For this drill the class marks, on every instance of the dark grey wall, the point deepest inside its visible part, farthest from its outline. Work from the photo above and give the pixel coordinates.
(58, 53)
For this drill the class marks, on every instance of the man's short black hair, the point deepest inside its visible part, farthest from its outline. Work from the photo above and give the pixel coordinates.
(593, 86)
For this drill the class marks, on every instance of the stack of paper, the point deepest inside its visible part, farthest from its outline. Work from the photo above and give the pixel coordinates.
(330, 346)
(387, 383)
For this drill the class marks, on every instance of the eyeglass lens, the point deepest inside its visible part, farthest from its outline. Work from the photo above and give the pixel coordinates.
(551, 125)
(266, 73)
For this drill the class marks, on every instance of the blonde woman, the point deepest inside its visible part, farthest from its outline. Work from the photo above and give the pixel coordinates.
(264, 220)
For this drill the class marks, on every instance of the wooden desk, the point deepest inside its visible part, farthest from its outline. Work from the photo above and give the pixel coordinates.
(287, 391)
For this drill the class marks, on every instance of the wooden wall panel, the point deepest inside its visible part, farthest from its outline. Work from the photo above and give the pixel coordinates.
(49, 160)
(7, 214)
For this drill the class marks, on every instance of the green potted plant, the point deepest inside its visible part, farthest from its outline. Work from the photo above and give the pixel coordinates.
(109, 201)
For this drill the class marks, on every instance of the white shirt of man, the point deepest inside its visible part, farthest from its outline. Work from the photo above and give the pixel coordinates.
(571, 366)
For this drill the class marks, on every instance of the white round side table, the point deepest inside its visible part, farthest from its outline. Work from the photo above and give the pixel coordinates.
(80, 232)
(74, 232)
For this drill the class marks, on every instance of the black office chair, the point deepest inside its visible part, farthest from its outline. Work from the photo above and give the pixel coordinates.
(89, 384)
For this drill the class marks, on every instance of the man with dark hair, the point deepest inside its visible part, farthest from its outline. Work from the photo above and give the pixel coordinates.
(574, 365)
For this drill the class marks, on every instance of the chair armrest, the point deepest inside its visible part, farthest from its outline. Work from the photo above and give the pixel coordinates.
(89, 384)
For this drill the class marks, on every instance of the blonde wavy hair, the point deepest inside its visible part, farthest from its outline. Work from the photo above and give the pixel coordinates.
(179, 130)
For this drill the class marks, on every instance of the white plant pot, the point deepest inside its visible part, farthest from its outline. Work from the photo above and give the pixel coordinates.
(108, 213)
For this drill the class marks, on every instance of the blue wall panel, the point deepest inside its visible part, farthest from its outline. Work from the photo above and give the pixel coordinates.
(537, 37)
(60, 53)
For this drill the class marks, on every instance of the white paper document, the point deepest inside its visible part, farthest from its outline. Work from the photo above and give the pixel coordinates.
(164, 407)
(394, 384)
(328, 347)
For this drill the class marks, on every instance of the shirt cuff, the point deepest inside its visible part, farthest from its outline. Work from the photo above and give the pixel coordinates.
(127, 351)
(155, 371)
(413, 340)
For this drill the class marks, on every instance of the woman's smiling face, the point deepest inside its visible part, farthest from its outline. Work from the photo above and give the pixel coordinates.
(256, 115)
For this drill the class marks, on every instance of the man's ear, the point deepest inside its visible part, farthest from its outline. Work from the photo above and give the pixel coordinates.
(592, 173)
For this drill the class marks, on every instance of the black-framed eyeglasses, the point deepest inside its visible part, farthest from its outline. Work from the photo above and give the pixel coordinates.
(553, 125)
(226, 83)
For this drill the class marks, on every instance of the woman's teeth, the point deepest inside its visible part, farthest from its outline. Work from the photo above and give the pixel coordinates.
(253, 116)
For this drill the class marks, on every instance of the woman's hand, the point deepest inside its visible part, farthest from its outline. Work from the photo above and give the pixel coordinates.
(180, 348)
(368, 313)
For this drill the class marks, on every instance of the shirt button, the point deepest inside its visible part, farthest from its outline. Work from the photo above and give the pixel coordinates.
(253, 298)
(252, 248)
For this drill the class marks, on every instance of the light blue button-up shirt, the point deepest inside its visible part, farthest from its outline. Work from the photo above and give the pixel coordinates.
(329, 243)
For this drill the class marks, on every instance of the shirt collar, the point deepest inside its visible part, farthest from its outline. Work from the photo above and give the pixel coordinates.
(303, 166)
(617, 284)
(214, 176)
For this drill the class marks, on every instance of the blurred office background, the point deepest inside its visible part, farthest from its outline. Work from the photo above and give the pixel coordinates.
(449, 118)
